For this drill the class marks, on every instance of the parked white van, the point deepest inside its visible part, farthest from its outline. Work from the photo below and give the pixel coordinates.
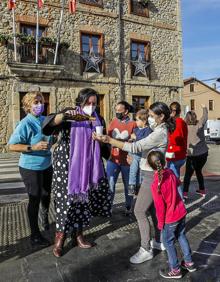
(212, 130)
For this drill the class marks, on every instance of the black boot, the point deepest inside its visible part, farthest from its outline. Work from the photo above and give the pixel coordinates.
(45, 224)
(39, 240)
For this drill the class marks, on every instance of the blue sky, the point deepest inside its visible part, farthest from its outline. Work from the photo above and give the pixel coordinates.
(201, 38)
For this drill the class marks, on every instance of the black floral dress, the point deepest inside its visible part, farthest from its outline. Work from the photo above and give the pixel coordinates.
(69, 213)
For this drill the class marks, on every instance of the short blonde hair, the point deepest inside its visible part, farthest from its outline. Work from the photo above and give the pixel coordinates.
(29, 98)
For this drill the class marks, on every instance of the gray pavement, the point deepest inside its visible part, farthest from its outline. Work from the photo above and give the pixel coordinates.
(213, 164)
(116, 239)
(11, 186)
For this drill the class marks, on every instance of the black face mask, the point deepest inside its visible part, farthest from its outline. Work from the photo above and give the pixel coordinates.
(119, 116)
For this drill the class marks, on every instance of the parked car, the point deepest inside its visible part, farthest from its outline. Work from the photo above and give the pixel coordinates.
(212, 130)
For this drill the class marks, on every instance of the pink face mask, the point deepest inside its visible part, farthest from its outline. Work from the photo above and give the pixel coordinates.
(38, 109)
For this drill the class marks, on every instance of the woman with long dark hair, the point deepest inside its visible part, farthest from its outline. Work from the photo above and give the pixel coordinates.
(79, 185)
(161, 123)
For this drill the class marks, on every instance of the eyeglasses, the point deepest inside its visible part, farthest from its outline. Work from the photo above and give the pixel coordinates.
(173, 110)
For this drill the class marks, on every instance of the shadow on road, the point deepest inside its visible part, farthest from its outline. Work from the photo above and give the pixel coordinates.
(99, 226)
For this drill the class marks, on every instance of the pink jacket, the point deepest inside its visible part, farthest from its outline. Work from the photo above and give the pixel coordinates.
(169, 206)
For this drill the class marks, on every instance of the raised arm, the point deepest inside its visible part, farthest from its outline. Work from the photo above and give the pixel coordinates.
(157, 139)
(53, 122)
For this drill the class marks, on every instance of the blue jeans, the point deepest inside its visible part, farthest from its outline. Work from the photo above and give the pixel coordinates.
(175, 167)
(134, 175)
(170, 233)
(113, 171)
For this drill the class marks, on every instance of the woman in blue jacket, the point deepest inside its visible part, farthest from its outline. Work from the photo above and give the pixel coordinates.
(34, 163)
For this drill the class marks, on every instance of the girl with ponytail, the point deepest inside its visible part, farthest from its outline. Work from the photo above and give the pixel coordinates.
(171, 213)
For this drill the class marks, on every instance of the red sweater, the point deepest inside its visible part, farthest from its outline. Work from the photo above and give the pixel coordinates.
(169, 206)
(178, 141)
(120, 130)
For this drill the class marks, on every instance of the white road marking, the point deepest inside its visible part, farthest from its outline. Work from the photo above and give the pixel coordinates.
(207, 254)
(210, 242)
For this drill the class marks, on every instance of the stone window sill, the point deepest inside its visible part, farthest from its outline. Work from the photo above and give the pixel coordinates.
(140, 78)
(92, 75)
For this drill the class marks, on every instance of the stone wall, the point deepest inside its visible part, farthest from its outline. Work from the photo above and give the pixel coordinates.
(162, 29)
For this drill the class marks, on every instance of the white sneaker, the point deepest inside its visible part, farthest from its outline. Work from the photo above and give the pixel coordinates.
(141, 256)
(157, 245)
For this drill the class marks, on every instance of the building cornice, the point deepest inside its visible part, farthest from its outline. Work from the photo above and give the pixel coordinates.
(71, 79)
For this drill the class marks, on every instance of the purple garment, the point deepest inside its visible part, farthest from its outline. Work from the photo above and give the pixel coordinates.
(85, 165)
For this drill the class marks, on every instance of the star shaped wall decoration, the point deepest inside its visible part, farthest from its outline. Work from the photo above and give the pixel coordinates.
(92, 61)
(140, 65)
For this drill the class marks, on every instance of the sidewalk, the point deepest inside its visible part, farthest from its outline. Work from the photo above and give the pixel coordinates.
(116, 240)
(9, 155)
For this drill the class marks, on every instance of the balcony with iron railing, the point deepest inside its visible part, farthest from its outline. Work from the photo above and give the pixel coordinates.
(26, 53)
(25, 64)
(139, 8)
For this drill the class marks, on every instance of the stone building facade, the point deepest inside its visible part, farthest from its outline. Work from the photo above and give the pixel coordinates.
(119, 31)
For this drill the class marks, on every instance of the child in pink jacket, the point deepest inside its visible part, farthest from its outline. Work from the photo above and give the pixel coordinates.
(171, 212)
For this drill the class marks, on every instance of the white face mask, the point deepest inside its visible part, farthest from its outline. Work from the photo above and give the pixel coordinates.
(88, 110)
(152, 123)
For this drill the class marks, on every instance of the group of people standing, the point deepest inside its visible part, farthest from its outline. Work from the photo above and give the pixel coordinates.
(84, 188)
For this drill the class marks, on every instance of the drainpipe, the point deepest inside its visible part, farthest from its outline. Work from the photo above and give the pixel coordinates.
(180, 51)
(121, 45)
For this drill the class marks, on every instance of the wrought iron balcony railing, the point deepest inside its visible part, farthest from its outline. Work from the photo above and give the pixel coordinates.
(26, 53)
